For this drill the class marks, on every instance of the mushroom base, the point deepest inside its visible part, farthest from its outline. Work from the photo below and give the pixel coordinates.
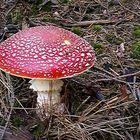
(48, 96)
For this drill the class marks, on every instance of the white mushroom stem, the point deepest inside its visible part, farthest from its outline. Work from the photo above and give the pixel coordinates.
(48, 95)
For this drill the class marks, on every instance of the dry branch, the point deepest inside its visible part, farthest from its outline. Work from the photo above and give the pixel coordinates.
(95, 22)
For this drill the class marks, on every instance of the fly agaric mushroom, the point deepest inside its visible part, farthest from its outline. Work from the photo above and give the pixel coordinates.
(46, 54)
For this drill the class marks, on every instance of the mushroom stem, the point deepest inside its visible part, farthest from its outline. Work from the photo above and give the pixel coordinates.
(48, 95)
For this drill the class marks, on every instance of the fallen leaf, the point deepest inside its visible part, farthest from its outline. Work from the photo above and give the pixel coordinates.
(123, 93)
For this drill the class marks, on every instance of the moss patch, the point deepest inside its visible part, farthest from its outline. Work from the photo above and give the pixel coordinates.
(96, 45)
(17, 121)
(76, 30)
(136, 31)
(97, 28)
(16, 16)
(64, 1)
(135, 48)
(112, 39)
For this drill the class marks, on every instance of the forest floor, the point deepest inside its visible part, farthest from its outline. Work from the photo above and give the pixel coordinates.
(104, 102)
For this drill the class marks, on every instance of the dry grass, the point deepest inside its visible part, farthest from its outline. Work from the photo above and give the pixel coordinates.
(7, 100)
(108, 119)
(90, 124)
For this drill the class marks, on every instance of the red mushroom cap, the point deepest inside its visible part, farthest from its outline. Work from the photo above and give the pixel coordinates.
(46, 52)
